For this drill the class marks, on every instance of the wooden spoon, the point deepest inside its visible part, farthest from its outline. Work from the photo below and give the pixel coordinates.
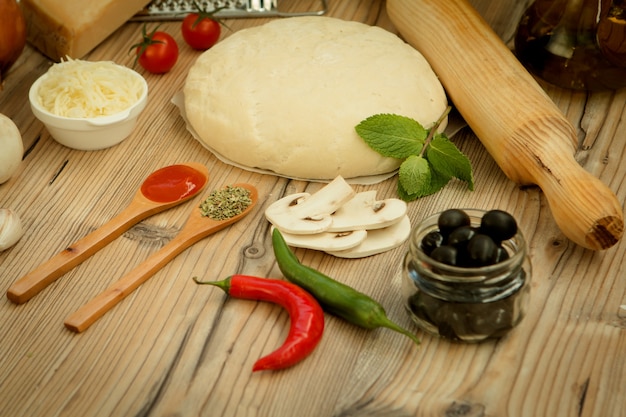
(161, 190)
(517, 122)
(196, 228)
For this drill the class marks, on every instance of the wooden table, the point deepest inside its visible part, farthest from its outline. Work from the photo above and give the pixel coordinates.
(175, 348)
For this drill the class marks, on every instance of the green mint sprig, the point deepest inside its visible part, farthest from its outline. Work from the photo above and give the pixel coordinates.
(430, 159)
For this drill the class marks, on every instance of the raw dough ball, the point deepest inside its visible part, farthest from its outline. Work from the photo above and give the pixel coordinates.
(286, 96)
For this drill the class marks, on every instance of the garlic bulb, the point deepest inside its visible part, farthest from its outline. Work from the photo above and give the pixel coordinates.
(10, 228)
(11, 148)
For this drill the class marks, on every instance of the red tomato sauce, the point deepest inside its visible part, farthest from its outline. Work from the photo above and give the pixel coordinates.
(172, 183)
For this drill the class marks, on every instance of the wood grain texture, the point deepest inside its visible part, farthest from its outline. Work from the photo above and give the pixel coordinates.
(172, 348)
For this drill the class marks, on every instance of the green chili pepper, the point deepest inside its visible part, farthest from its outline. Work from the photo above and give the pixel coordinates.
(336, 298)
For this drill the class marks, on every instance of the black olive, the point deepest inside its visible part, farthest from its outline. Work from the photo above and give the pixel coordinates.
(502, 254)
(431, 241)
(461, 236)
(452, 219)
(445, 254)
(482, 250)
(498, 224)
(424, 306)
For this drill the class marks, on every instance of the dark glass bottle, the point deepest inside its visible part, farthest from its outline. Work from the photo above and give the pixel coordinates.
(576, 44)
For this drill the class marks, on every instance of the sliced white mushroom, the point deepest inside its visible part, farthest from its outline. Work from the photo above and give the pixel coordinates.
(326, 200)
(378, 241)
(326, 241)
(305, 213)
(364, 212)
(280, 214)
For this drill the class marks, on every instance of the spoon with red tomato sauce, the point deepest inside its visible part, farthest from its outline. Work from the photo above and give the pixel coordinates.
(198, 226)
(163, 189)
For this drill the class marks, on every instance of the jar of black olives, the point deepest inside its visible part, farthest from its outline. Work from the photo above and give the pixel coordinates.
(466, 276)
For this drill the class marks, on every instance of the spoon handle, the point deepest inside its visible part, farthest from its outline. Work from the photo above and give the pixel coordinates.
(32, 283)
(86, 315)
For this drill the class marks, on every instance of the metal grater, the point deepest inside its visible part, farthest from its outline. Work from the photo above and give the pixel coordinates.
(178, 9)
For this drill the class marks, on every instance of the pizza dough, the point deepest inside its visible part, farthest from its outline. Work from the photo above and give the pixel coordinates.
(286, 96)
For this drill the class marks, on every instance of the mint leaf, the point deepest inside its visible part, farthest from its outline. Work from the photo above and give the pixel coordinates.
(417, 178)
(446, 159)
(415, 175)
(392, 135)
(430, 159)
(404, 195)
(438, 180)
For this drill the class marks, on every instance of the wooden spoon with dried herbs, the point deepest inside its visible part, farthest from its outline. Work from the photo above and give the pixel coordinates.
(163, 189)
(219, 210)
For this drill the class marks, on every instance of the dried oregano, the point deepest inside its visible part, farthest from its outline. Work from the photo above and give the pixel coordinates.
(226, 203)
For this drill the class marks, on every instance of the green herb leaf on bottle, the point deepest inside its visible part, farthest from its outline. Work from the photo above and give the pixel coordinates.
(430, 159)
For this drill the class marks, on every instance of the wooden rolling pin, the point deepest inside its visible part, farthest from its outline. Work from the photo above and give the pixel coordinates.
(517, 122)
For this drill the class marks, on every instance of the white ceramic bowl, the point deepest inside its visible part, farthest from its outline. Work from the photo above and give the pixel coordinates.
(88, 134)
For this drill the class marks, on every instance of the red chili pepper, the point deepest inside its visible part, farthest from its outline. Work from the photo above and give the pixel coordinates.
(307, 316)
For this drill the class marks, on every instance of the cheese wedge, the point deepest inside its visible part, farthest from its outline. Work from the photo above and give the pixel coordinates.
(74, 27)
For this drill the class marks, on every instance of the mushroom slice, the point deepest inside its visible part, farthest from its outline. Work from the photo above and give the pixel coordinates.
(281, 215)
(363, 211)
(378, 241)
(305, 213)
(327, 241)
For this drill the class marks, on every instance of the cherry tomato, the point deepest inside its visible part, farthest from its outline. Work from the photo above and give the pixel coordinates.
(200, 30)
(157, 53)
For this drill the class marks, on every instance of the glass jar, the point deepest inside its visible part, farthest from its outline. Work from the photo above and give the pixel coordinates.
(466, 304)
(576, 44)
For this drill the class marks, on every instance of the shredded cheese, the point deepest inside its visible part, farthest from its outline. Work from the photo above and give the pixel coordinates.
(83, 89)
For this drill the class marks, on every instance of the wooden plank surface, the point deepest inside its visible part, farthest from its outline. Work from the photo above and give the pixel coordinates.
(174, 348)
